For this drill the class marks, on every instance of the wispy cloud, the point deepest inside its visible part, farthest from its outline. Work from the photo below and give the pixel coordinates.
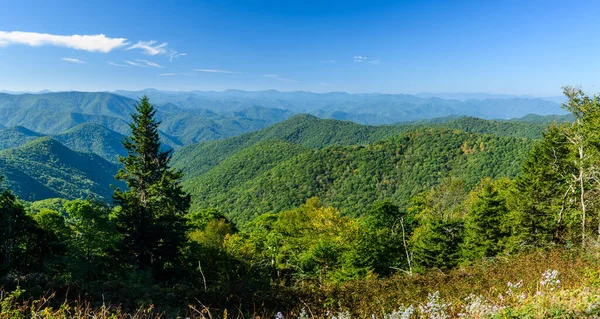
(374, 62)
(360, 58)
(172, 54)
(328, 61)
(150, 47)
(153, 48)
(150, 63)
(73, 60)
(91, 43)
(168, 74)
(117, 64)
(143, 63)
(135, 64)
(279, 78)
(216, 71)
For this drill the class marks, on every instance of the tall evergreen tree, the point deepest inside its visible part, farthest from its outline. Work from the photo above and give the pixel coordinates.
(151, 216)
(484, 231)
(544, 192)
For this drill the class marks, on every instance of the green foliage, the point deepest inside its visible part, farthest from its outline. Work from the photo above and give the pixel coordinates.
(484, 224)
(94, 139)
(44, 168)
(310, 242)
(438, 235)
(436, 244)
(393, 199)
(382, 244)
(151, 217)
(22, 243)
(16, 136)
(545, 213)
(92, 235)
(352, 178)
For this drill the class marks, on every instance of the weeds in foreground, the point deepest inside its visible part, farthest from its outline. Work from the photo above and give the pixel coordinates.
(568, 289)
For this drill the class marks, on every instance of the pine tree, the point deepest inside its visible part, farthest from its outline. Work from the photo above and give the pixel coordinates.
(151, 216)
(484, 231)
(544, 192)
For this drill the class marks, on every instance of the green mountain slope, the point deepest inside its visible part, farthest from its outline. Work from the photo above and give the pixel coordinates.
(56, 113)
(96, 139)
(45, 168)
(353, 177)
(302, 129)
(310, 131)
(16, 136)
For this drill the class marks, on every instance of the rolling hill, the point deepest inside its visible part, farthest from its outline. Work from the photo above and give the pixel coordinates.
(95, 139)
(313, 132)
(353, 177)
(348, 165)
(44, 168)
(57, 113)
(16, 136)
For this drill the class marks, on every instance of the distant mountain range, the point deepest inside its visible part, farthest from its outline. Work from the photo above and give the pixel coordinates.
(66, 144)
(372, 109)
(56, 113)
(487, 96)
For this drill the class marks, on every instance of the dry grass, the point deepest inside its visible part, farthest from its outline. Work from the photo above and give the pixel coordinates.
(475, 291)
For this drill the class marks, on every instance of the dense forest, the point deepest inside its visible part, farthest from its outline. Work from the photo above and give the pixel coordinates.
(308, 217)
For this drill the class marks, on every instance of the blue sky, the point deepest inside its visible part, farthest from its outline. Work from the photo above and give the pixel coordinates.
(511, 47)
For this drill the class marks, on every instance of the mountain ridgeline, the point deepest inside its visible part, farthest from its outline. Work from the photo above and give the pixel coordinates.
(281, 167)
(56, 113)
(372, 109)
(218, 133)
(235, 166)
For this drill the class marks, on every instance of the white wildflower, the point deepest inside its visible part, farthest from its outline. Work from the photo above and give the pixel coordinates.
(550, 279)
(435, 307)
(401, 313)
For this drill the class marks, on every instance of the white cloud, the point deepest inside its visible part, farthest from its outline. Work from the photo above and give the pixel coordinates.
(153, 48)
(135, 64)
(328, 61)
(143, 63)
(279, 78)
(216, 71)
(73, 60)
(360, 58)
(117, 64)
(168, 74)
(174, 54)
(91, 43)
(150, 63)
(374, 62)
(150, 47)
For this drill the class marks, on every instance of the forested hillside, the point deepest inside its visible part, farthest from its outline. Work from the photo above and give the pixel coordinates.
(56, 113)
(306, 131)
(94, 139)
(351, 178)
(45, 168)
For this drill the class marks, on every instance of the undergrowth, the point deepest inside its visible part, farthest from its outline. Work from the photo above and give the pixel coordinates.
(549, 284)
